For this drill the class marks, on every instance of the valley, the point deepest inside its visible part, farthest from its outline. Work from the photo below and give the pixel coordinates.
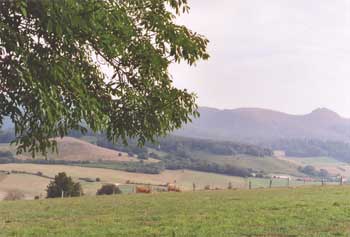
(211, 164)
(93, 172)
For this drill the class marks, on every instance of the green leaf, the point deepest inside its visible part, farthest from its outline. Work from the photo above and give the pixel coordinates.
(58, 81)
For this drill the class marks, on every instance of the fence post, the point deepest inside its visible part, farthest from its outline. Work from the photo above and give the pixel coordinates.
(341, 180)
(62, 194)
(322, 182)
(250, 184)
(270, 185)
(194, 187)
(288, 180)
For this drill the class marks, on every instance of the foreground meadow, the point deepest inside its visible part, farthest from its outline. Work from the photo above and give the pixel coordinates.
(305, 211)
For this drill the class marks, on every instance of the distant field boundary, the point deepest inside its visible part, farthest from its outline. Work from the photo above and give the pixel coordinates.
(40, 174)
(184, 181)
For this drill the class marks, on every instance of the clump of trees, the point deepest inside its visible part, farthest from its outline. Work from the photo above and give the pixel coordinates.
(62, 185)
(180, 150)
(182, 146)
(312, 171)
(132, 148)
(174, 162)
(142, 156)
(312, 148)
(109, 189)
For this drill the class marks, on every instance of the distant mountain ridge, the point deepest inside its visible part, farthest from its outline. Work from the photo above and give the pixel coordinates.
(256, 125)
(260, 125)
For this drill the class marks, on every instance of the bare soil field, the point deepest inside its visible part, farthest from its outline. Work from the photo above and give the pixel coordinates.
(34, 185)
(72, 149)
(29, 185)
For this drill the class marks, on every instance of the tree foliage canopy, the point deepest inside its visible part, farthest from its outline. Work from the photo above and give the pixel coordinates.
(108, 189)
(52, 60)
(65, 184)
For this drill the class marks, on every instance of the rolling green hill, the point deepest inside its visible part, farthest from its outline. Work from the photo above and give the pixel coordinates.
(230, 158)
(172, 153)
(267, 165)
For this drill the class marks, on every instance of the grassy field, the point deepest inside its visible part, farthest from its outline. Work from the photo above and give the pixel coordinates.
(330, 164)
(184, 178)
(315, 161)
(32, 185)
(307, 211)
(266, 164)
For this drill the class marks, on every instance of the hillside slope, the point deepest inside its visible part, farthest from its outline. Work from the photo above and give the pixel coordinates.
(257, 125)
(72, 149)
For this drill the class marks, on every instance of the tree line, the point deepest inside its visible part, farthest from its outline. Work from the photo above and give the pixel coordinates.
(173, 152)
(180, 146)
(312, 148)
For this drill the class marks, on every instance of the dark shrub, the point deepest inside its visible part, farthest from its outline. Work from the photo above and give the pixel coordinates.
(324, 173)
(153, 155)
(142, 156)
(65, 184)
(108, 189)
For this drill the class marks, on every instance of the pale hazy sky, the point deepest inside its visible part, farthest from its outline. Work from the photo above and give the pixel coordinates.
(287, 55)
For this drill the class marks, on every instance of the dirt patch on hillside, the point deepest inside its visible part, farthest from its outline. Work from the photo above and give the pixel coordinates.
(72, 149)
